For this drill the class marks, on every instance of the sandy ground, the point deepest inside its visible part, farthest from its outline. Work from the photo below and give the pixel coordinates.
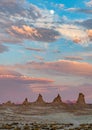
(47, 114)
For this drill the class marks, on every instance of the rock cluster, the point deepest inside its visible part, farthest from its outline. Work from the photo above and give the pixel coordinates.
(57, 100)
(8, 103)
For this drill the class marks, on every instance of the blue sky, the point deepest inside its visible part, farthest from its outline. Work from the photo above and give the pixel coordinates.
(50, 41)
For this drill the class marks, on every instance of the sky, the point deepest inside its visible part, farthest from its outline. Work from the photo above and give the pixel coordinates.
(46, 48)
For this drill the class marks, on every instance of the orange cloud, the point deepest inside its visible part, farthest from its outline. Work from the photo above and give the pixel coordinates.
(77, 40)
(90, 33)
(36, 34)
(26, 30)
(26, 78)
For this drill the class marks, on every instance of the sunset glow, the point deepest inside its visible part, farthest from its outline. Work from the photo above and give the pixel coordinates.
(45, 47)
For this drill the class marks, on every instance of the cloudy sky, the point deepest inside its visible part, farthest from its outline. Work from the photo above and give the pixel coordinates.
(45, 47)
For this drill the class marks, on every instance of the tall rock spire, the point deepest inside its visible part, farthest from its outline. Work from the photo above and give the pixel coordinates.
(81, 99)
(40, 99)
(25, 102)
(57, 100)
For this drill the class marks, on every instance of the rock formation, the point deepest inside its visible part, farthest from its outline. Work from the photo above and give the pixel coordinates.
(26, 102)
(40, 100)
(57, 100)
(8, 103)
(81, 99)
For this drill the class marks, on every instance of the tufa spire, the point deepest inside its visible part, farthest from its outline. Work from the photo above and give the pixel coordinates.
(81, 99)
(57, 100)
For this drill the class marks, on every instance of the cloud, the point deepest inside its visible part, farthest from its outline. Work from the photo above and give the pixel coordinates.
(26, 21)
(77, 35)
(89, 3)
(4, 71)
(86, 23)
(73, 58)
(26, 30)
(24, 79)
(16, 86)
(10, 3)
(6, 38)
(39, 58)
(60, 6)
(35, 34)
(88, 57)
(56, 51)
(8, 74)
(90, 33)
(19, 8)
(61, 67)
(35, 49)
(80, 10)
(3, 48)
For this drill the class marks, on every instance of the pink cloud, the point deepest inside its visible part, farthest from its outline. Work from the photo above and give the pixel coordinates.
(15, 86)
(73, 58)
(26, 30)
(60, 67)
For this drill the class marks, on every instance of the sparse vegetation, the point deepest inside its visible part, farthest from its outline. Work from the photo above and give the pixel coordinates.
(26, 127)
(35, 126)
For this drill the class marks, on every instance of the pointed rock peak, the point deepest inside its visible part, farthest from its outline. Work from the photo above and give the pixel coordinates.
(26, 99)
(81, 99)
(40, 99)
(40, 95)
(58, 96)
(25, 102)
(57, 99)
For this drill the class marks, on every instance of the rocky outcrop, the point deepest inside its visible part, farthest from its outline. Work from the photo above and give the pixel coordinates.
(8, 103)
(57, 100)
(81, 99)
(25, 102)
(40, 100)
